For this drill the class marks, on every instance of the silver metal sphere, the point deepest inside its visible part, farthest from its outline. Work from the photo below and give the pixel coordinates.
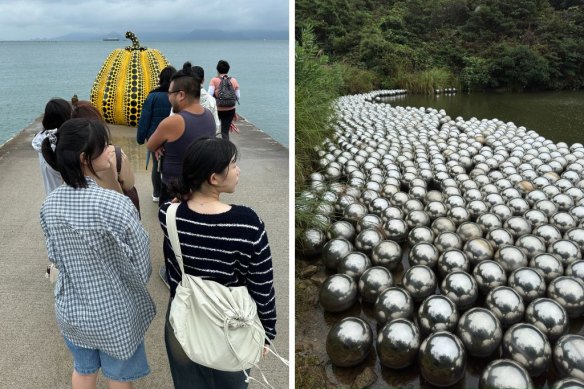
(480, 331)
(535, 217)
(548, 207)
(549, 233)
(423, 254)
(568, 383)
(489, 275)
(563, 201)
(499, 237)
(349, 342)
(511, 258)
(369, 221)
(435, 209)
(393, 303)
(528, 346)
(503, 211)
(386, 253)
(392, 212)
(506, 304)
(420, 234)
(312, 241)
(417, 219)
(452, 260)
(469, 230)
(355, 211)
(576, 269)
(367, 239)
(420, 282)
(442, 224)
(531, 245)
(373, 281)
(566, 251)
(458, 215)
(478, 250)
(354, 264)
(576, 235)
(334, 250)
(563, 220)
(569, 356)
(505, 374)
(549, 266)
(338, 293)
(549, 316)
(518, 226)
(461, 288)
(341, 229)
(398, 343)
(447, 240)
(396, 230)
(528, 282)
(569, 293)
(442, 359)
(437, 313)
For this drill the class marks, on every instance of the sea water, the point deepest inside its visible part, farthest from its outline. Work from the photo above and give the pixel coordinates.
(31, 73)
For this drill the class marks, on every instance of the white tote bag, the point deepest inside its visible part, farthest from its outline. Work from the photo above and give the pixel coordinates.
(217, 326)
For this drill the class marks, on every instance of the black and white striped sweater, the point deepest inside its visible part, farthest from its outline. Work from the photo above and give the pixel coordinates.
(230, 248)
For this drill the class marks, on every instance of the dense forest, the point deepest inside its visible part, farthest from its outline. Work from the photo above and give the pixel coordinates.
(475, 45)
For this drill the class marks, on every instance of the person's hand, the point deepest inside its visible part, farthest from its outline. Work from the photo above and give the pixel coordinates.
(159, 153)
(266, 351)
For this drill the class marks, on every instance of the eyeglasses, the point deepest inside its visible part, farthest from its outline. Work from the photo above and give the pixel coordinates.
(175, 91)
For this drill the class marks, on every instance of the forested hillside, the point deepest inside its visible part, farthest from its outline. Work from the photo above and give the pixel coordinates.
(471, 44)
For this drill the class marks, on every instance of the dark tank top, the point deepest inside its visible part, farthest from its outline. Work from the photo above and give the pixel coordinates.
(196, 126)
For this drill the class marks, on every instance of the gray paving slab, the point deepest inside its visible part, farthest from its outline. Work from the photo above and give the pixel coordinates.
(32, 352)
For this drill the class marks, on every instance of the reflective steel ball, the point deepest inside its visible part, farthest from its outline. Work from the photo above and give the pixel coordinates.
(480, 331)
(478, 250)
(338, 293)
(535, 217)
(563, 221)
(549, 233)
(367, 239)
(518, 226)
(569, 356)
(566, 251)
(420, 234)
(393, 303)
(568, 383)
(529, 283)
(423, 254)
(420, 282)
(576, 269)
(461, 288)
(334, 250)
(511, 258)
(447, 240)
(442, 224)
(437, 313)
(452, 260)
(398, 343)
(341, 229)
(569, 293)
(505, 374)
(442, 359)
(531, 245)
(506, 304)
(349, 342)
(470, 230)
(312, 241)
(549, 317)
(499, 237)
(354, 264)
(489, 275)
(373, 281)
(549, 265)
(355, 211)
(529, 347)
(387, 253)
(396, 230)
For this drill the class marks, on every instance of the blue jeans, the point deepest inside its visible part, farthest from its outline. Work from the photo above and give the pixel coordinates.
(187, 374)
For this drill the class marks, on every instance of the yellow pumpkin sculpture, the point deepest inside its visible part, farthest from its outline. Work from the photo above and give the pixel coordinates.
(124, 80)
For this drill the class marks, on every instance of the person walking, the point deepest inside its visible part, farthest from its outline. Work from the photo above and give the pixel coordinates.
(94, 237)
(57, 112)
(156, 107)
(225, 243)
(226, 91)
(207, 100)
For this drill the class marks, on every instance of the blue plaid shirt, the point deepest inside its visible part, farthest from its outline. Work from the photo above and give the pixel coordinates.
(101, 250)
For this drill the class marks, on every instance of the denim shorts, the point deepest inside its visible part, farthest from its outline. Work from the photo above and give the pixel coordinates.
(88, 361)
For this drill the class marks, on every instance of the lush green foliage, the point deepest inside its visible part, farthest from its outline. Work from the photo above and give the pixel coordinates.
(477, 44)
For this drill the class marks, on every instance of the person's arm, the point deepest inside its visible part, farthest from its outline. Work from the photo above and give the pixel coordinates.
(145, 118)
(126, 176)
(137, 240)
(211, 89)
(237, 89)
(260, 282)
(168, 130)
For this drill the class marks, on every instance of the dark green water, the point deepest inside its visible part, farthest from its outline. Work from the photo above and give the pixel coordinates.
(558, 116)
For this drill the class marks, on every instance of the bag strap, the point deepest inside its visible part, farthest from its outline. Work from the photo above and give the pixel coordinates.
(173, 234)
(118, 159)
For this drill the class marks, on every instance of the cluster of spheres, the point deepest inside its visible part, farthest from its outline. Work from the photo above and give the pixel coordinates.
(484, 219)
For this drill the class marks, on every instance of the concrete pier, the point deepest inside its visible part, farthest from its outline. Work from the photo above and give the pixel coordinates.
(32, 352)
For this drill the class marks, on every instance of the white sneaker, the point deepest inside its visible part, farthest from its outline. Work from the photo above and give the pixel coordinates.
(155, 199)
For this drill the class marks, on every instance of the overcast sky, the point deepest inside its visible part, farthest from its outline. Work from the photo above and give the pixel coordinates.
(24, 20)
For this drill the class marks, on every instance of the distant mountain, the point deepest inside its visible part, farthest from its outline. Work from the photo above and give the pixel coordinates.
(208, 34)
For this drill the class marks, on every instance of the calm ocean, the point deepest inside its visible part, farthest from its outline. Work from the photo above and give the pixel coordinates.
(31, 73)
